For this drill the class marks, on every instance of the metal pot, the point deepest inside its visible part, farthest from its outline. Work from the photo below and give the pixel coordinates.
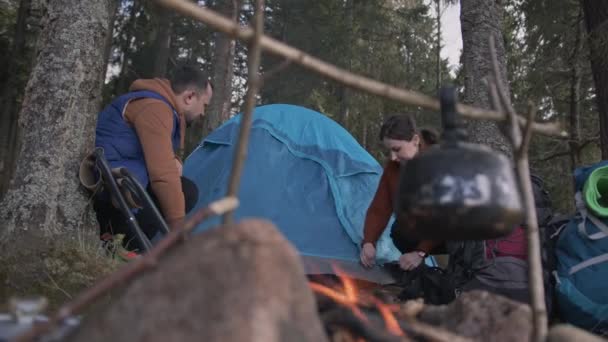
(458, 190)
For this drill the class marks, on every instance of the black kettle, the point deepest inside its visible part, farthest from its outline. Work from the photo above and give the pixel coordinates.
(458, 190)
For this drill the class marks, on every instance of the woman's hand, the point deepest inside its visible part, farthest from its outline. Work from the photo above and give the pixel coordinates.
(411, 260)
(180, 167)
(368, 254)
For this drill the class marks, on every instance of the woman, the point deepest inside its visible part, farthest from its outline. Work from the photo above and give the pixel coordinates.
(399, 135)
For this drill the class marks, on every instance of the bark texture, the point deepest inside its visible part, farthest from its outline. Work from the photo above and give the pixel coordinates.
(242, 282)
(480, 20)
(575, 95)
(30, 21)
(223, 72)
(57, 120)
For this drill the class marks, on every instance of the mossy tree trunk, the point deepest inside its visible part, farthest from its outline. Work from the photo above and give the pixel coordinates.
(57, 120)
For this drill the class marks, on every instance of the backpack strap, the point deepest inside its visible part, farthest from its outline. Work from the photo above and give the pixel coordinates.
(588, 263)
(585, 214)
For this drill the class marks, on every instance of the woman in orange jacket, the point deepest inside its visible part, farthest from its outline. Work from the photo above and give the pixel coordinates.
(400, 136)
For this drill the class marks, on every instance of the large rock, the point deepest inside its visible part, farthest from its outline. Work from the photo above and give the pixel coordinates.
(242, 282)
(482, 316)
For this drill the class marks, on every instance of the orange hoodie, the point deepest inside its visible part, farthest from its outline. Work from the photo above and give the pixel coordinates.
(153, 122)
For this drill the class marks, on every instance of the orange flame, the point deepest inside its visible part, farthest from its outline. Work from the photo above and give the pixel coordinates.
(351, 298)
(348, 298)
(391, 323)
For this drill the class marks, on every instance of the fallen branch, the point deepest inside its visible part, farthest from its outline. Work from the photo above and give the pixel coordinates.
(432, 333)
(130, 270)
(519, 141)
(345, 77)
(254, 58)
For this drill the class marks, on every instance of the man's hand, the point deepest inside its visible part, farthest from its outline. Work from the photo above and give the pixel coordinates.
(368, 254)
(409, 261)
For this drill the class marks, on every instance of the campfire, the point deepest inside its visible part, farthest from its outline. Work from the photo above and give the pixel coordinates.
(235, 296)
(354, 310)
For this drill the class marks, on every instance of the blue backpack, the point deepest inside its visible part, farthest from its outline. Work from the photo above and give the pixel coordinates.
(582, 264)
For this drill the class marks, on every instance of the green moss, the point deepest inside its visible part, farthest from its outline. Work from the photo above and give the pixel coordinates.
(55, 269)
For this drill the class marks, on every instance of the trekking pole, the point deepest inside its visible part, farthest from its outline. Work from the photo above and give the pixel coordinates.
(106, 174)
(143, 194)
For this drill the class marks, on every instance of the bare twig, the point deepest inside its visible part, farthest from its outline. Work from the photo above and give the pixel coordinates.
(56, 286)
(527, 135)
(491, 83)
(567, 152)
(254, 58)
(513, 124)
(330, 71)
(535, 272)
(130, 270)
(275, 70)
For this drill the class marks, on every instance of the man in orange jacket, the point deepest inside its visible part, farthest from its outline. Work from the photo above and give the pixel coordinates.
(143, 130)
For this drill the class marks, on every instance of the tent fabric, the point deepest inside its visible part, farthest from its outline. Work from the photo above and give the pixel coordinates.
(303, 172)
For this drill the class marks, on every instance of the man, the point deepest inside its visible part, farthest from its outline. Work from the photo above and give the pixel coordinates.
(142, 131)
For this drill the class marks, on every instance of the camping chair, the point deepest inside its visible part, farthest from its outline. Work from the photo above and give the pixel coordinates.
(125, 191)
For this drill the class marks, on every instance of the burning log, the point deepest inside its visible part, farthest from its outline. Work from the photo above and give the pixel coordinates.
(351, 315)
(241, 282)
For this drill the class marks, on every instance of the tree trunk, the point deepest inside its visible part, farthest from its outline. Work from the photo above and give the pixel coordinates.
(480, 20)
(124, 80)
(344, 93)
(575, 95)
(596, 18)
(364, 135)
(223, 72)
(57, 121)
(438, 71)
(162, 42)
(344, 110)
(28, 26)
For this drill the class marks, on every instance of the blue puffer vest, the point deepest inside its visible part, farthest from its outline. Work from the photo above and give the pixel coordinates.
(119, 140)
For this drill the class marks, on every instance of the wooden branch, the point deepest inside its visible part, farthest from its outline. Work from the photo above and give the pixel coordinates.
(535, 271)
(254, 59)
(527, 136)
(491, 84)
(514, 130)
(330, 71)
(553, 156)
(130, 270)
(567, 152)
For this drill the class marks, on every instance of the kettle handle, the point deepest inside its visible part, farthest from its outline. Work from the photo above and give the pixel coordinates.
(453, 131)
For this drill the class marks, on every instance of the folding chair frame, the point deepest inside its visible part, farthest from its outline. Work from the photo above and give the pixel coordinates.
(136, 190)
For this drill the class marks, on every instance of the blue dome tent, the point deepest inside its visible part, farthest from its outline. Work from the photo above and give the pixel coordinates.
(307, 175)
